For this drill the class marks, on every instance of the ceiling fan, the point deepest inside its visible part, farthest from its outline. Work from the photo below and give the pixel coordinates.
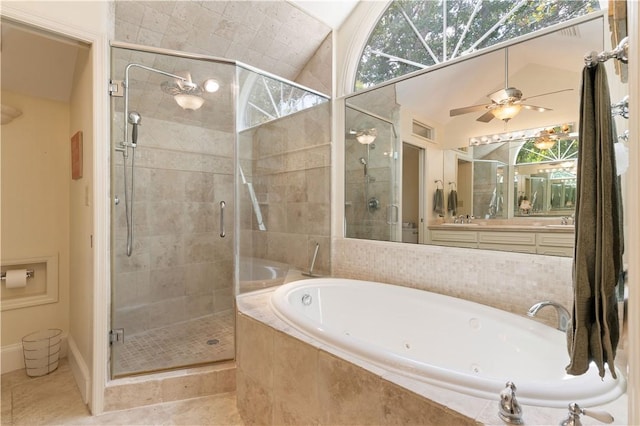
(505, 103)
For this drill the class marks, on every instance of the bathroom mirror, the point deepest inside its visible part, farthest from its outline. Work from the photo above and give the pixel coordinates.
(490, 172)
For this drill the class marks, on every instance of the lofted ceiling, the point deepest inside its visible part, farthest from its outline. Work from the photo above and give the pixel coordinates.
(41, 64)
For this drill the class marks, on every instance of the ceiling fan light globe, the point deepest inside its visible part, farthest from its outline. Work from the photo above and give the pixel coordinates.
(506, 112)
(544, 143)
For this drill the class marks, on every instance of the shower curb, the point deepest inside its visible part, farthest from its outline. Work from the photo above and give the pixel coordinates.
(131, 392)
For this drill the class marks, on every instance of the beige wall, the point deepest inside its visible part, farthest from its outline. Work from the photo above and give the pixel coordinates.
(35, 203)
(81, 211)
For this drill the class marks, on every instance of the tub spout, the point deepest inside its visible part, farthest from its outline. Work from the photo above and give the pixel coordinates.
(564, 317)
(510, 411)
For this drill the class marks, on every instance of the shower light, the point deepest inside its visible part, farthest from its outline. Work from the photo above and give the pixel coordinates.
(367, 136)
(184, 92)
(190, 102)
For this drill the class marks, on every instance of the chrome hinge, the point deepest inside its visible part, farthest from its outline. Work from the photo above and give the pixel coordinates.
(116, 88)
(116, 336)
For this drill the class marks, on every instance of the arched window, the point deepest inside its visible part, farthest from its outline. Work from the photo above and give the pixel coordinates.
(414, 34)
(561, 150)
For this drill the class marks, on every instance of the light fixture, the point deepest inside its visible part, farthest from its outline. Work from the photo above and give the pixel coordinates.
(366, 136)
(211, 85)
(543, 143)
(547, 138)
(506, 112)
(186, 93)
(9, 114)
(555, 133)
(190, 102)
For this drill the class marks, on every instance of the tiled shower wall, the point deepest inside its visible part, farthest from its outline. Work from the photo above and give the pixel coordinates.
(289, 163)
(508, 281)
(180, 268)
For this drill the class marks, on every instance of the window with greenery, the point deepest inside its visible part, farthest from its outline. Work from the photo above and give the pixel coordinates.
(415, 34)
(562, 150)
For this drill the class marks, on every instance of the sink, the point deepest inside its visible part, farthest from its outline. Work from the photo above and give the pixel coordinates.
(560, 226)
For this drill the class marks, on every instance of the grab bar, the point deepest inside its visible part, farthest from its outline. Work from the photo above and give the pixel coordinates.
(222, 206)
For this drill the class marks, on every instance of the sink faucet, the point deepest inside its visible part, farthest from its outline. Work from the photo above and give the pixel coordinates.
(462, 218)
(564, 317)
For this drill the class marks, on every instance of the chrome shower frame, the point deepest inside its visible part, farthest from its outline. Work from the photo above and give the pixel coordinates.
(126, 144)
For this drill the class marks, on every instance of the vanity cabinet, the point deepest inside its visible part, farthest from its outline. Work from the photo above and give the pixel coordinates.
(523, 239)
(555, 244)
(521, 242)
(454, 238)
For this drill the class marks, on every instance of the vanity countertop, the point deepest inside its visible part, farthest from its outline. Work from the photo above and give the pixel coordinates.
(553, 228)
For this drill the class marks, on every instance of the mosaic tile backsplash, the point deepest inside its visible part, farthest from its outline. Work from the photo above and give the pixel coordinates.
(509, 281)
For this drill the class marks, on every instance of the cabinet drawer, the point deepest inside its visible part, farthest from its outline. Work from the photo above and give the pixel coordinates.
(555, 239)
(556, 251)
(531, 249)
(510, 238)
(454, 236)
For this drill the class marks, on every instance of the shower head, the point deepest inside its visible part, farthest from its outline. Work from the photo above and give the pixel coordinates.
(134, 119)
(188, 85)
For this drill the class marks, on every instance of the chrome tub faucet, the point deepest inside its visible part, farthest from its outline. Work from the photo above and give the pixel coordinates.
(564, 317)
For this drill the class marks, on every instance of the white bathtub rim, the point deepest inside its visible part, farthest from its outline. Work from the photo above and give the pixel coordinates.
(536, 394)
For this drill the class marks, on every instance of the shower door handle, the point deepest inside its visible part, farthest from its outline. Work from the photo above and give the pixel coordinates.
(222, 206)
(392, 214)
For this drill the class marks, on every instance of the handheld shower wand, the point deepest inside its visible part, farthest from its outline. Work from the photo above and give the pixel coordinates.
(134, 120)
(364, 163)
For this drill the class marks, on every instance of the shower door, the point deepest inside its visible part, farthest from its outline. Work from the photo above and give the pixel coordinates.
(372, 180)
(173, 225)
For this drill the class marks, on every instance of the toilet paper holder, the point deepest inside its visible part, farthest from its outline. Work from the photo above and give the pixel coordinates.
(30, 274)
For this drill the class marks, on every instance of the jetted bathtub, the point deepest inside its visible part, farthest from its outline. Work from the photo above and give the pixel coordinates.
(448, 342)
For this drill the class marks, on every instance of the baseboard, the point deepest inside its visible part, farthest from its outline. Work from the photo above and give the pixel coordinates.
(11, 357)
(80, 370)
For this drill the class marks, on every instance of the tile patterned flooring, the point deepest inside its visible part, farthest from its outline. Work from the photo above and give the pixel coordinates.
(54, 399)
(203, 340)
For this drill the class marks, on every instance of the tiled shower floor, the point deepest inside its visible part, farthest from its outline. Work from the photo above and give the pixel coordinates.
(203, 340)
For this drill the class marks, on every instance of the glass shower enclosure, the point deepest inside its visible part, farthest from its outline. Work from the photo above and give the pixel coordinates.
(180, 163)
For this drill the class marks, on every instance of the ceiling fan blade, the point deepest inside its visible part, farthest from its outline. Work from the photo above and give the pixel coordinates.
(536, 108)
(486, 117)
(468, 109)
(545, 94)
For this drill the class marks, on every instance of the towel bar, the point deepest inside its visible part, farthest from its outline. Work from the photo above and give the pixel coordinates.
(620, 53)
